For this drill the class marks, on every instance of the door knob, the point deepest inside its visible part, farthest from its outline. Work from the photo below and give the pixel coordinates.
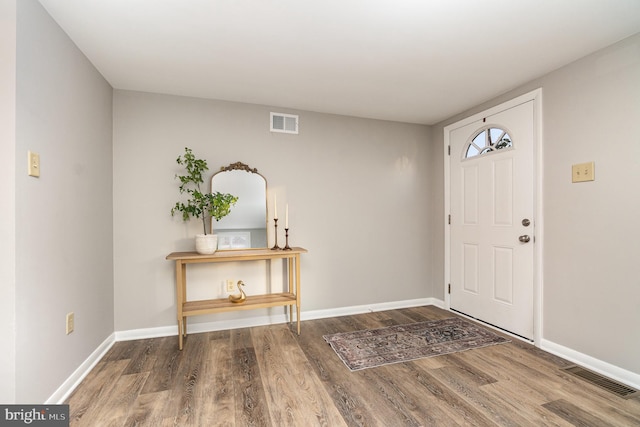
(524, 238)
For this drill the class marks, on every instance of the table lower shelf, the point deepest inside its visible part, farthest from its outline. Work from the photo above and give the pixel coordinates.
(194, 308)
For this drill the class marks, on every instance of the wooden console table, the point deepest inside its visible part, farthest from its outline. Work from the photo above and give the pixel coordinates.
(187, 308)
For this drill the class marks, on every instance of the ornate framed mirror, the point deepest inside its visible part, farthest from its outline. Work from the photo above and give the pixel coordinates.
(246, 226)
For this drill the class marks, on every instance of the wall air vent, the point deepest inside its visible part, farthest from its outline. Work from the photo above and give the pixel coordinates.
(284, 123)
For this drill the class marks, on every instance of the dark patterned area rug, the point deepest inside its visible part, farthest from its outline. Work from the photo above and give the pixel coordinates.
(402, 343)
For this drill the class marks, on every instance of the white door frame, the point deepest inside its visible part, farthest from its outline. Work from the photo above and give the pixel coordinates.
(536, 97)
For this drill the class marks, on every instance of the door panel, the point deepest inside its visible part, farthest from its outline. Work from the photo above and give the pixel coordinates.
(503, 274)
(503, 192)
(491, 270)
(470, 194)
(470, 273)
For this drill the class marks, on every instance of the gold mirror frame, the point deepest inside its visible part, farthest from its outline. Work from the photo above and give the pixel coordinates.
(246, 226)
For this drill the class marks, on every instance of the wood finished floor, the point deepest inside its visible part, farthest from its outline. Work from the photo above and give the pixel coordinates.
(269, 376)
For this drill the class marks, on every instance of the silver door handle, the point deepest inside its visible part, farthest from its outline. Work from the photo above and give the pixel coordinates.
(524, 238)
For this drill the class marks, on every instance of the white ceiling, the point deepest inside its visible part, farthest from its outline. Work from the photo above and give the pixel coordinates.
(417, 61)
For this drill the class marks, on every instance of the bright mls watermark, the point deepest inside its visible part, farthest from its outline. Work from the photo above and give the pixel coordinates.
(34, 415)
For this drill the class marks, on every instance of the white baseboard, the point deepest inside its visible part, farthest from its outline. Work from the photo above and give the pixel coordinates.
(166, 331)
(359, 309)
(194, 328)
(604, 368)
(65, 390)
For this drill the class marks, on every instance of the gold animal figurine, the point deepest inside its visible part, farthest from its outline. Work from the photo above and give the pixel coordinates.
(238, 298)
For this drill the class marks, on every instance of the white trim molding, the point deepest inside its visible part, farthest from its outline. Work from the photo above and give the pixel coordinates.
(167, 331)
(67, 387)
(370, 308)
(194, 328)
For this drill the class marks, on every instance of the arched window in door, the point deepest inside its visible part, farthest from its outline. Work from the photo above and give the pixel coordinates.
(487, 140)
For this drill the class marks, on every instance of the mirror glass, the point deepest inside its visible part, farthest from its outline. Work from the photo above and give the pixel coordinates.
(246, 226)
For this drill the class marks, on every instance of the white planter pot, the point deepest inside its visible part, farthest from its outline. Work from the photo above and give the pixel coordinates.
(206, 244)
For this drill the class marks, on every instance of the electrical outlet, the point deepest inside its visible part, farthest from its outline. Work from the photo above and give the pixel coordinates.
(230, 286)
(70, 322)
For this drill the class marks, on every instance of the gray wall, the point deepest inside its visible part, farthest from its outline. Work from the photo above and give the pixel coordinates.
(63, 221)
(365, 196)
(7, 193)
(358, 194)
(591, 230)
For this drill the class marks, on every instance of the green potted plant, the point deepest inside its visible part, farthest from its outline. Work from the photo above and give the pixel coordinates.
(200, 205)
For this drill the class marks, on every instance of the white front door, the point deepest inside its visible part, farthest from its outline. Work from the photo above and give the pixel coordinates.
(492, 223)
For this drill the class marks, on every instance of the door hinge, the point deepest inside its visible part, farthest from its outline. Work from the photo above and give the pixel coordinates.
(449, 219)
(449, 149)
(449, 287)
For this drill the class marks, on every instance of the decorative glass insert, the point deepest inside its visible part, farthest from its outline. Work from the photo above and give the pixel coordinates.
(487, 140)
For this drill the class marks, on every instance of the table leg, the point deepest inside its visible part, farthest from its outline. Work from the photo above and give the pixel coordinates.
(184, 298)
(298, 291)
(291, 287)
(181, 275)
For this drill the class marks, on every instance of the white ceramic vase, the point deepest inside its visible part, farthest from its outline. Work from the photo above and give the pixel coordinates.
(206, 244)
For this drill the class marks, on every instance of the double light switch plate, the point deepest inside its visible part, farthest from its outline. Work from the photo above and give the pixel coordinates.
(583, 172)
